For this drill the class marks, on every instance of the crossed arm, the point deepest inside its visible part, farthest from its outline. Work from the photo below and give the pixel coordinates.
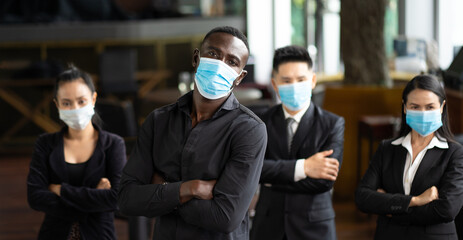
(70, 202)
(218, 205)
(433, 206)
(320, 169)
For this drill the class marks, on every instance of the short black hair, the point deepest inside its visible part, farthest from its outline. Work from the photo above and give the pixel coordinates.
(429, 83)
(291, 53)
(230, 30)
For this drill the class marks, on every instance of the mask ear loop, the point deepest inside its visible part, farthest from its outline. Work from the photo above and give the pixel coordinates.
(234, 85)
(442, 107)
(195, 65)
(405, 107)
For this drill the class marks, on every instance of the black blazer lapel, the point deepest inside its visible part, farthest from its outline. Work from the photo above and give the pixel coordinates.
(279, 131)
(56, 159)
(303, 130)
(400, 155)
(430, 159)
(95, 169)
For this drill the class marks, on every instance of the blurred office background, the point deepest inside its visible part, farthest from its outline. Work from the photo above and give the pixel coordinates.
(139, 54)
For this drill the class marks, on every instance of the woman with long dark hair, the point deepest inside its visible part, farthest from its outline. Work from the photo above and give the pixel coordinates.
(74, 173)
(415, 182)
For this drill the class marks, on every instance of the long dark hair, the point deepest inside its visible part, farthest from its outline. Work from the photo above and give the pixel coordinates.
(72, 74)
(429, 83)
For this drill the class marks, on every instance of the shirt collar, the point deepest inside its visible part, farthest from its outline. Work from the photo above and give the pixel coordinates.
(435, 142)
(231, 103)
(298, 116)
(185, 102)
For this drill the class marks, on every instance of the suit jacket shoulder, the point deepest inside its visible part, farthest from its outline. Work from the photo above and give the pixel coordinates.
(314, 110)
(109, 139)
(455, 146)
(327, 118)
(49, 140)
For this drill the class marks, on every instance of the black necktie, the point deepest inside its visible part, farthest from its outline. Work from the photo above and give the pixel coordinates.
(289, 131)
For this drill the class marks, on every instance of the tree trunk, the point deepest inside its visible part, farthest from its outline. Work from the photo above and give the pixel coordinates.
(362, 42)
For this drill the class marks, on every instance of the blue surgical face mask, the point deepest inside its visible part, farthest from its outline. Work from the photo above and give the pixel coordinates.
(295, 96)
(214, 78)
(424, 122)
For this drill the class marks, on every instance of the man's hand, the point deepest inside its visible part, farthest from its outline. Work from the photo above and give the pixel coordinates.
(199, 189)
(55, 188)
(320, 166)
(196, 189)
(104, 184)
(157, 179)
(203, 189)
(426, 197)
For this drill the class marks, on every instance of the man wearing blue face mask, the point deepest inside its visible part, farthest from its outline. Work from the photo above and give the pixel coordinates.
(303, 156)
(197, 162)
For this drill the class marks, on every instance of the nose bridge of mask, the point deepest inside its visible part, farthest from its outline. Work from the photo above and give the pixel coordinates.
(415, 117)
(294, 88)
(287, 89)
(428, 115)
(218, 66)
(434, 115)
(206, 64)
(305, 85)
(85, 109)
(424, 116)
(74, 111)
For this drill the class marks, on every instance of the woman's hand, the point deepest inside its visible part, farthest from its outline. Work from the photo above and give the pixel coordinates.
(104, 184)
(55, 188)
(426, 197)
(380, 190)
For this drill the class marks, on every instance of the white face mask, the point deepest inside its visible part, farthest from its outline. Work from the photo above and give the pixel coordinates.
(79, 118)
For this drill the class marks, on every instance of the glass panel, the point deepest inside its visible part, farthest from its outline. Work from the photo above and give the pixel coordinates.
(297, 22)
(391, 27)
(210, 8)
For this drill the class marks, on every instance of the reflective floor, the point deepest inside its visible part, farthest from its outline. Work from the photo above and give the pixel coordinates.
(19, 222)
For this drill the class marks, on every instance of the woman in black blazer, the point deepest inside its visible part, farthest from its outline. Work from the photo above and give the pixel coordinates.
(415, 182)
(74, 174)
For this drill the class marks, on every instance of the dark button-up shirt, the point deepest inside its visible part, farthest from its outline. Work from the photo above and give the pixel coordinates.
(228, 147)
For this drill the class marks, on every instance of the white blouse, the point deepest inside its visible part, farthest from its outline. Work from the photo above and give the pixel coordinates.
(412, 166)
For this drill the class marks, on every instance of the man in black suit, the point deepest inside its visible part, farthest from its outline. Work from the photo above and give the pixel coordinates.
(303, 156)
(197, 162)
